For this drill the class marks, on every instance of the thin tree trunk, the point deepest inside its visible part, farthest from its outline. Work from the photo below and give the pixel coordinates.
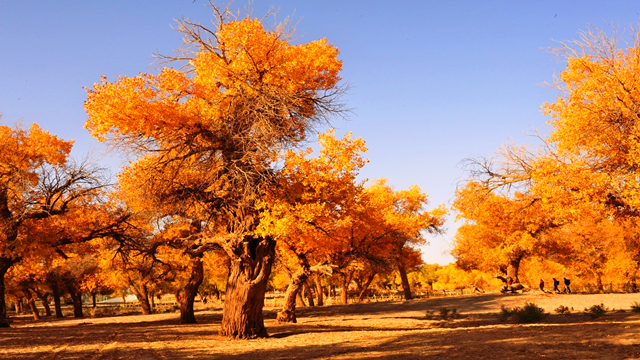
(32, 305)
(190, 291)
(288, 312)
(93, 301)
(142, 295)
(45, 302)
(152, 301)
(246, 287)
(345, 287)
(599, 283)
(332, 290)
(319, 290)
(307, 292)
(406, 288)
(299, 300)
(365, 287)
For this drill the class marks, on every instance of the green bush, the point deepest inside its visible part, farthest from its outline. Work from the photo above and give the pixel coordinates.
(562, 310)
(595, 311)
(635, 307)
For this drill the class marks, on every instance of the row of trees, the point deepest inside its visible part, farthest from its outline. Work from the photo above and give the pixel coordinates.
(215, 187)
(572, 202)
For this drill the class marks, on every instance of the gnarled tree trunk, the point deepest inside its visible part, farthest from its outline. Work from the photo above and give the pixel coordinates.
(514, 267)
(288, 312)
(246, 287)
(190, 291)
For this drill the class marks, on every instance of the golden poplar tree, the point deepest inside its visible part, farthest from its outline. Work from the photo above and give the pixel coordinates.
(209, 134)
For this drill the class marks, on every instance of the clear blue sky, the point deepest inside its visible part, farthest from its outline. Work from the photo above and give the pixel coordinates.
(433, 82)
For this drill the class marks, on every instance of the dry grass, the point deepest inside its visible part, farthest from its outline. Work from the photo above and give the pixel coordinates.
(398, 330)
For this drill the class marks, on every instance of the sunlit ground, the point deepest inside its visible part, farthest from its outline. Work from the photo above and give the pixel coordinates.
(368, 331)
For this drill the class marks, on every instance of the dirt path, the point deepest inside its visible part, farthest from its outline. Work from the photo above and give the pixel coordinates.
(396, 330)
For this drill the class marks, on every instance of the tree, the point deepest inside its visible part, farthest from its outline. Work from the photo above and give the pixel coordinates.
(314, 195)
(498, 231)
(326, 221)
(407, 221)
(209, 136)
(595, 120)
(37, 182)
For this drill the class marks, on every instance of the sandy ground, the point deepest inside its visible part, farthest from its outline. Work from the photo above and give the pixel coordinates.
(397, 330)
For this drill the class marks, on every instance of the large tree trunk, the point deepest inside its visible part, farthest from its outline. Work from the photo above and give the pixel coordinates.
(56, 300)
(365, 287)
(288, 312)
(246, 287)
(319, 290)
(76, 296)
(190, 291)
(5, 264)
(405, 280)
(514, 268)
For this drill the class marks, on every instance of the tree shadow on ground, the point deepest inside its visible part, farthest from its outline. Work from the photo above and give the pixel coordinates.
(389, 330)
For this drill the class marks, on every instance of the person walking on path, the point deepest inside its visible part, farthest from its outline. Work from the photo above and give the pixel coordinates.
(567, 289)
(555, 285)
(542, 285)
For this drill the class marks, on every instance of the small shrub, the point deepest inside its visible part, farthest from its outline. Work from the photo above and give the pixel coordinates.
(505, 313)
(429, 314)
(635, 307)
(454, 313)
(446, 313)
(562, 310)
(595, 311)
(529, 313)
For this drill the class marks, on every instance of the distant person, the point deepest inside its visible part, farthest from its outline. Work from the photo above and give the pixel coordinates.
(567, 289)
(542, 285)
(555, 285)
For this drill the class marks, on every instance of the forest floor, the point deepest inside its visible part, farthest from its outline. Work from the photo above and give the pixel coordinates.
(398, 330)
